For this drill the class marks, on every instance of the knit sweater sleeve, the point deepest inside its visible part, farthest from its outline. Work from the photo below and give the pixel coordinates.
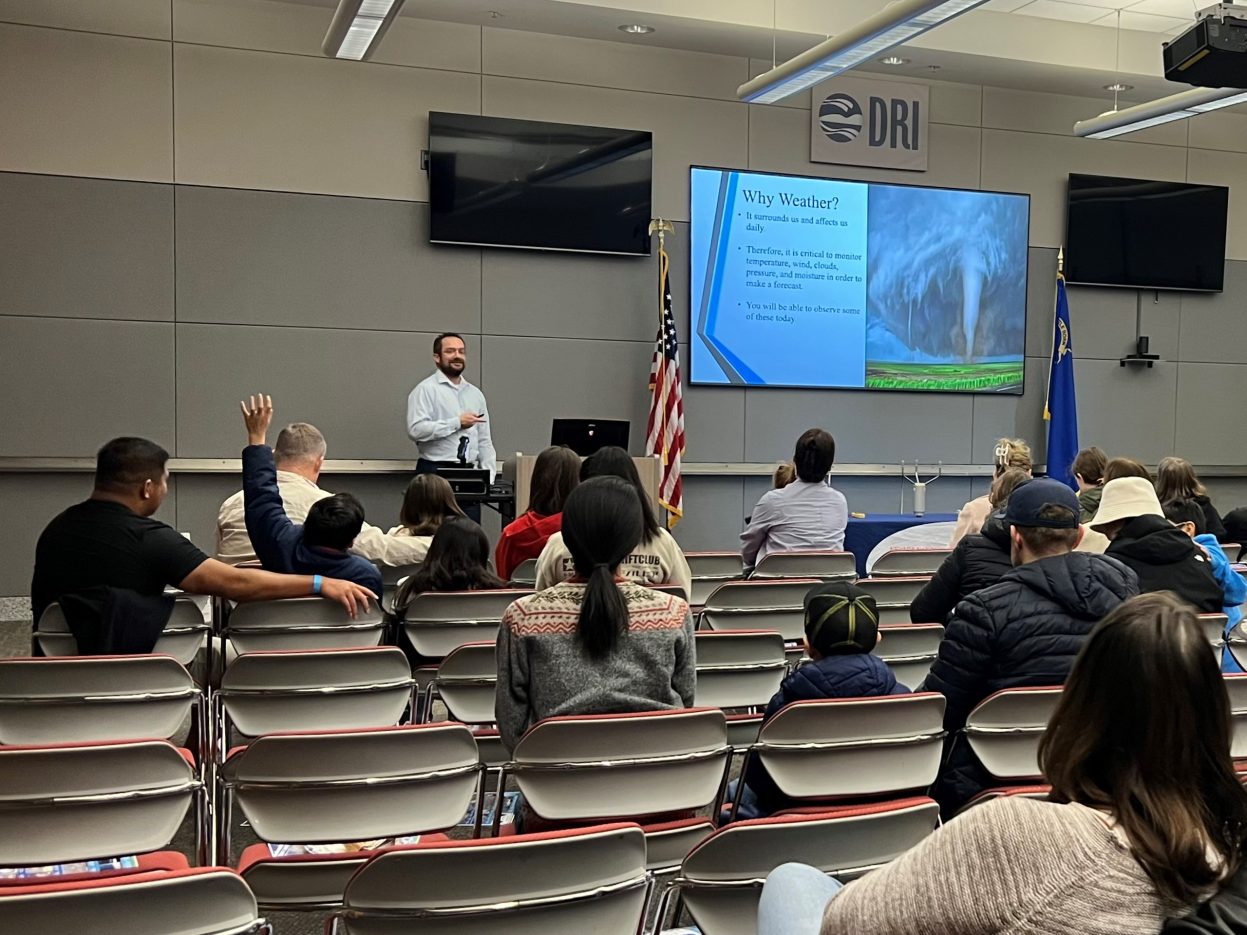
(986, 871)
(684, 679)
(511, 695)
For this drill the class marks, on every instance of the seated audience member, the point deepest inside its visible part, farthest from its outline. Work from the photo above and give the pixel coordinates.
(107, 560)
(599, 643)
(299, 455)
(1088, 471)
(841, 629)
(555, 475)
(977, 561)
(458, 560)
(427, 503)
(1162, 557)
(656, 558)
(807, 514)
(1010, 453)
(1145, 820)
(1188, 516)
(1235, 523)
(1026, 628)
(1176, 480)
(321, 545)
(784, 475)
(1118, 468)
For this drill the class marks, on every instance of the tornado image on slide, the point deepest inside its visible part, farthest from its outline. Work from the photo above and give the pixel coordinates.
(946, 297)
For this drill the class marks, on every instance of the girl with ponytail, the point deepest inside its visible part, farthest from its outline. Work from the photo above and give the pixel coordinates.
(597, 643)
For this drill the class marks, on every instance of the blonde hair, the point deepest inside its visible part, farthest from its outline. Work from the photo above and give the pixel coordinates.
(1005, 484)
(785, 474)
(1176, 480)
(1012, 453)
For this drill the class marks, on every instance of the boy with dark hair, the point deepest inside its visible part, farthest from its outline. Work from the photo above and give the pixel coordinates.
(319, 546)
(841, 629)
(1188, 515)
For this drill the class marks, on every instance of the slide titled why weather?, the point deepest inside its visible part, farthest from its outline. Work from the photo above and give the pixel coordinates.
(785, 274)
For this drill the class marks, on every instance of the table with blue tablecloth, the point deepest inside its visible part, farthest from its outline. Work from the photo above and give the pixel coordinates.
(862, 535)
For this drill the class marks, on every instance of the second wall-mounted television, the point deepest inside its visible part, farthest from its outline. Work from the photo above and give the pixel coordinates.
(1145, 234)
(499, 182)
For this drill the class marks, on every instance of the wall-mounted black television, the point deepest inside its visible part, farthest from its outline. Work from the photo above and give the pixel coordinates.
(499, 182)
(1145, 234)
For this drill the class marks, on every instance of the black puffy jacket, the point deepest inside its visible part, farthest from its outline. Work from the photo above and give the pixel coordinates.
(1023, 630)
(977, 561)
(1166, 559)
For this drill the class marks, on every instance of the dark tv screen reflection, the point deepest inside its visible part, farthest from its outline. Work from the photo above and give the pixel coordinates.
(1145, 234)
(499, 182)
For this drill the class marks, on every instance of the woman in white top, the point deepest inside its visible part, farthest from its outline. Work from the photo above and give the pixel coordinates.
(657, 559)
(1145, 819)
(1010, 453)
(805, 514)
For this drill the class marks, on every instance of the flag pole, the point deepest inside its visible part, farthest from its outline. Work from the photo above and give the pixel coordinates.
(1060, 274)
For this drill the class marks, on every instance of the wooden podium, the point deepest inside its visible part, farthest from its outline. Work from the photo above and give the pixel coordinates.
(647, 467)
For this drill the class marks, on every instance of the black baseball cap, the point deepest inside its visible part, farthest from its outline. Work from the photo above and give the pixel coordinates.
(1028, 500)
(840, 618)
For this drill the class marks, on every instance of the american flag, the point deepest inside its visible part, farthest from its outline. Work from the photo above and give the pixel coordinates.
(664, 434)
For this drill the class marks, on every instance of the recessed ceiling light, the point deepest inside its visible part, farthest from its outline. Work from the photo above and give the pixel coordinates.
(933, 67)
(636, 29)
(894, 60)
(1118, 86)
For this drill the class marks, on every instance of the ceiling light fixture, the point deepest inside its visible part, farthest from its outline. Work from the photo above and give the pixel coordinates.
(357, 27)
(1118, 86)
(636, 29)
(895, 24)
(1178, 106)
(893, 60)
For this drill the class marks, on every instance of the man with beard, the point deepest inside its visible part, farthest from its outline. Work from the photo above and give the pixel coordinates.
(447, 417)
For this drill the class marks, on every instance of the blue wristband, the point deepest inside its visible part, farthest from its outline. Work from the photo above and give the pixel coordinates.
(316, 582)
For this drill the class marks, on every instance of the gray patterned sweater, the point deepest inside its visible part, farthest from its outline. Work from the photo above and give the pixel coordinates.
(543, 671)
(1011, 866)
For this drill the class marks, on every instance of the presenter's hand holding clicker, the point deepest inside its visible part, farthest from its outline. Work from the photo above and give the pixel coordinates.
(469, 419)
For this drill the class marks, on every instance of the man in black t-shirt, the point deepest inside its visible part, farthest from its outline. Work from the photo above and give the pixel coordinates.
(111, 541)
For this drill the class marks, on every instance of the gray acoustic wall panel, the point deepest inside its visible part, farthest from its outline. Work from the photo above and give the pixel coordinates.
(1129, 410)
(1214, 326)
(1105, 325)
(1203, 422)
(711, 522)
(32, 500)
(529, 381)
(1011, 416)
(86, 248)
(69, 385)
(271, 258)
(352, 385)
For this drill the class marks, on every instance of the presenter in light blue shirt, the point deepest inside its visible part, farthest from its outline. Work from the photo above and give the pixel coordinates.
(447, 417)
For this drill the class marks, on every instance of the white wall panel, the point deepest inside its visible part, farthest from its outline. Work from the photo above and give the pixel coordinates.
(293, 123)
(1221, 168)
(270, 25)
(77, 103)
(567, 60)
(1036, 112)
(146, 19)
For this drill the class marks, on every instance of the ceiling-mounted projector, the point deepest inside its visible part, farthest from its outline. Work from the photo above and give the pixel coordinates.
(1213, 52)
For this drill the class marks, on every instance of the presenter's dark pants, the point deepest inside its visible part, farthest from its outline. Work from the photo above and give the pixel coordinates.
(425, 466)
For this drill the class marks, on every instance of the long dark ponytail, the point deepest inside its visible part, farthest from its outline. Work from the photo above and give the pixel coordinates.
(602, 524)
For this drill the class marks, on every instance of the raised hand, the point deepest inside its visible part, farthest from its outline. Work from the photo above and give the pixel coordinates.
(257, 413)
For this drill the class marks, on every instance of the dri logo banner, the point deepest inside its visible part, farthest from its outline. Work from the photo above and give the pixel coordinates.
(857, 122)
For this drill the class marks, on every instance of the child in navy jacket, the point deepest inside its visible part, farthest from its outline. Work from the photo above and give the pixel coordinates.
(841, 628)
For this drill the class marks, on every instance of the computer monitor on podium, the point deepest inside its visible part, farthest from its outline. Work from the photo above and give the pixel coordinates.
(585, 436)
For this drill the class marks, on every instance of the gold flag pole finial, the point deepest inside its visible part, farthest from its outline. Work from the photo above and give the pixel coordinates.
(1060, 261)
(662, 228)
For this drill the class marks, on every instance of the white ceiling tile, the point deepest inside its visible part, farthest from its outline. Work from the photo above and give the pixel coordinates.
(1147, 22)
(1003, 6)
(1183, 9)
(1059, 9)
